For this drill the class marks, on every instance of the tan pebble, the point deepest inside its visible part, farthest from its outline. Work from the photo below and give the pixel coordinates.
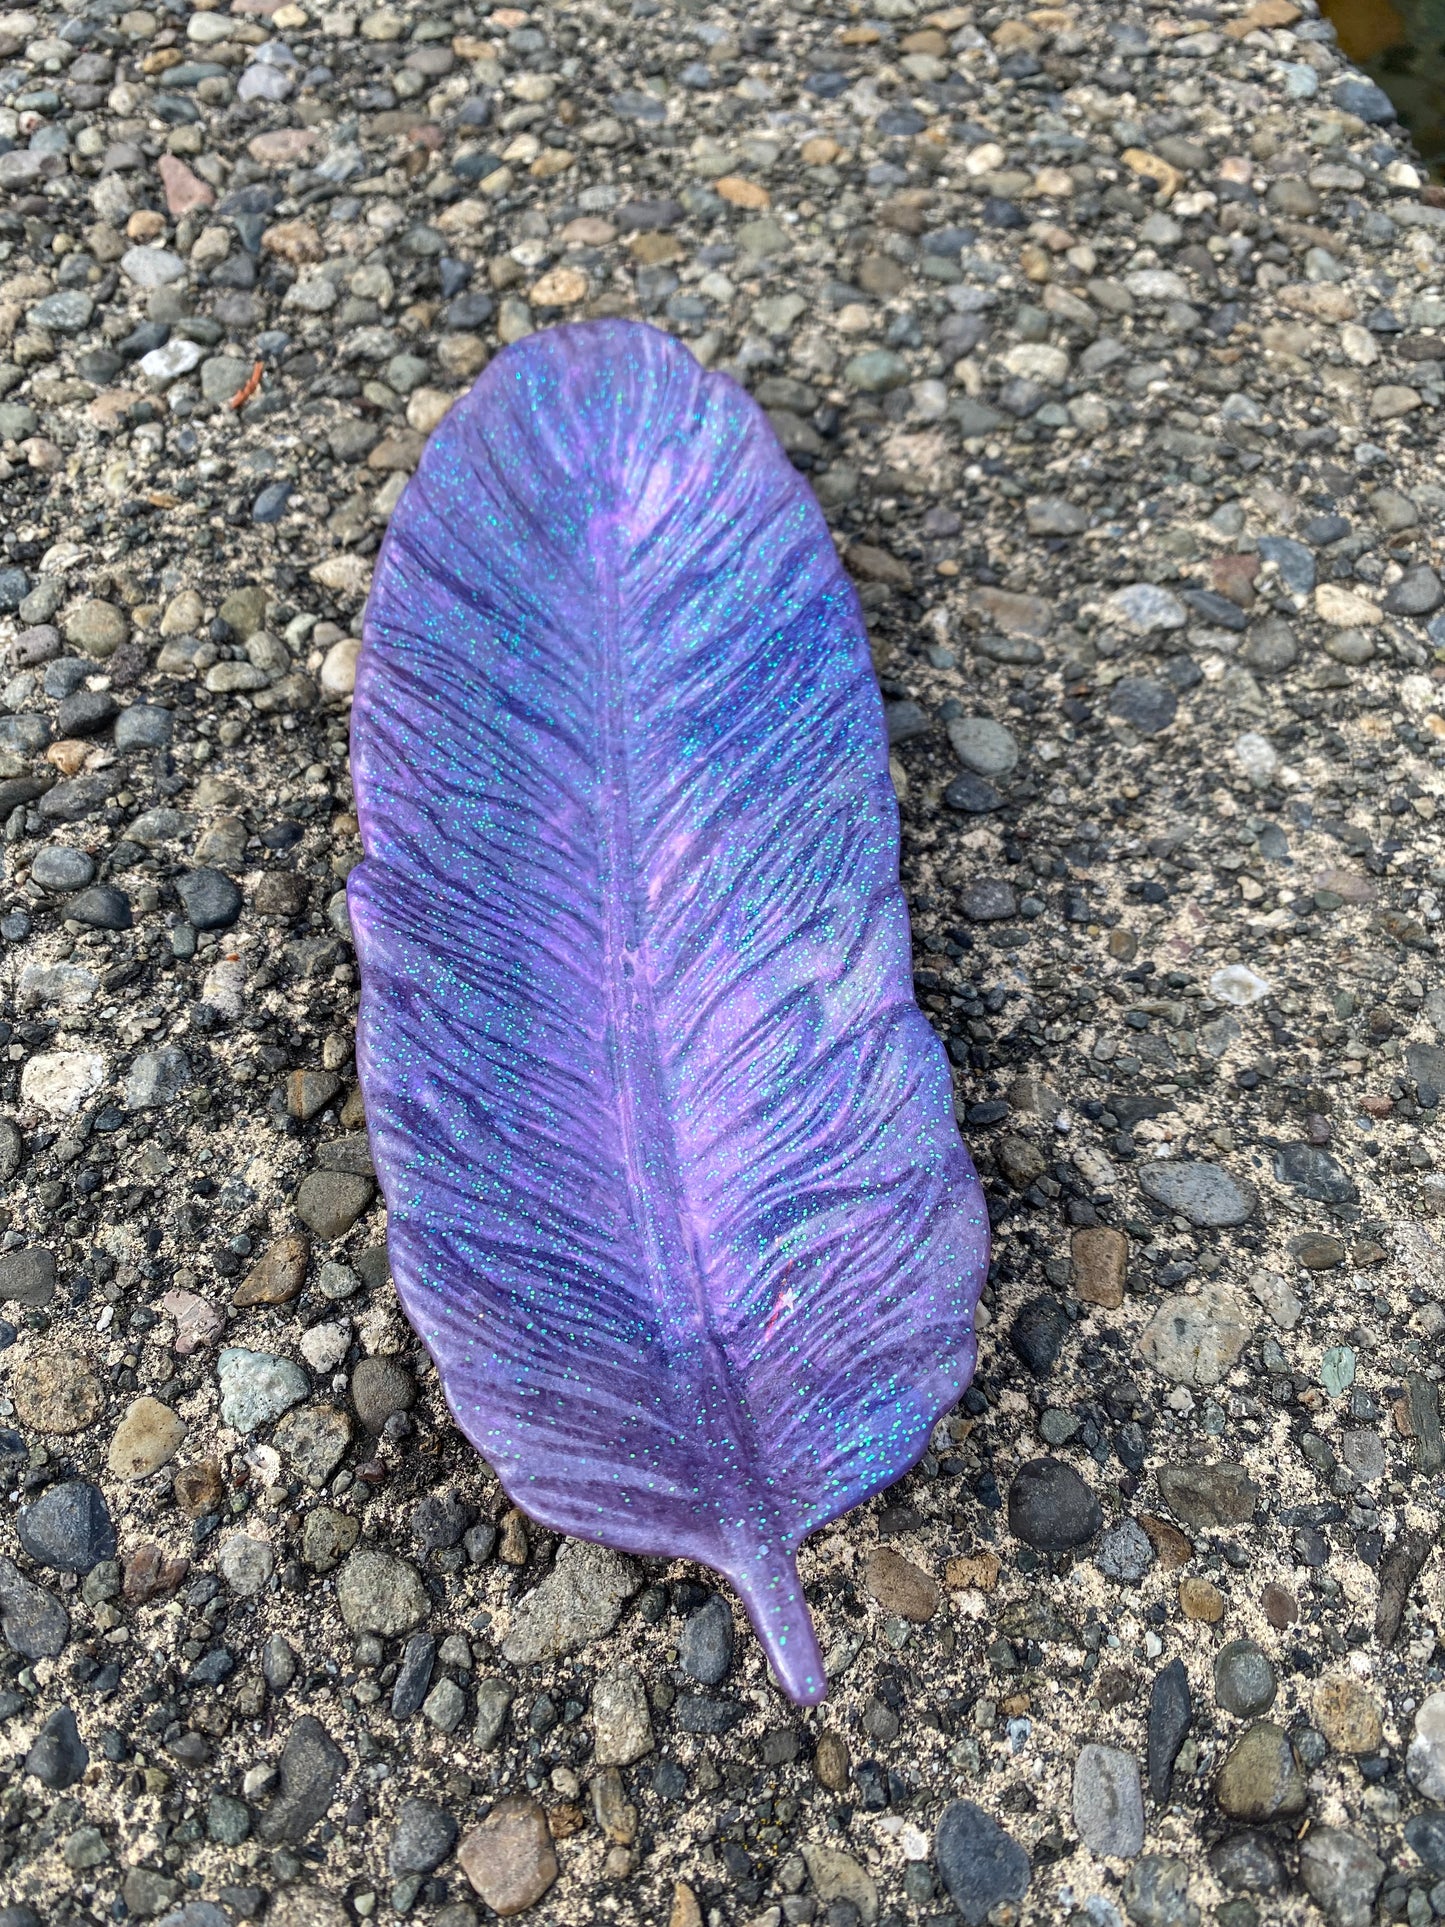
(560, 288)
(279, 1273)
(901, 1587)
(831, 1762)
(1347, 1716)
(148, 1437)
(979, 1570)
(1200, 1599)
(686, 1912)
(56, 1392)
(738, 192)
(1101, 1258)
(509, 1858)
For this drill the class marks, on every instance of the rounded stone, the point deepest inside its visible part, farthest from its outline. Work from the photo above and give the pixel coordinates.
(148, 1437)
(210, 899)
(379, 1593)
(705, 1647)
(142, 726)
(1260, 1778)
(56, 1392)
(101, 907)
(99, 628)
(1244, 1679)
(380, 1387)
(1051, 1508)
(983, 746)
(60, 868)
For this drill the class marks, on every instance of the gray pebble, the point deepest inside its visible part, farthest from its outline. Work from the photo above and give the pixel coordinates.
(1203, 1193)
(423, 1837)
(1244, 1679)
(60, 868)
(59, 1756)
(705, 1646)
(68, 1527)
(1125, 1553)
(1108, 1801)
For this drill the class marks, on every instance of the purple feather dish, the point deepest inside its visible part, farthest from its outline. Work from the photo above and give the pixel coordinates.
(675, 1194)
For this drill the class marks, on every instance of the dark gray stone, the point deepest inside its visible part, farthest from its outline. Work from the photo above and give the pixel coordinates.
(27, 1276)
(1366, 101)
(1150, 706)
(101, 907)
(425, 1834)
(142, 726)
(59, 1756)
(1171, 1712)
(1038, 1332)
(1295, 563)
(68, 1528)
(698, 1713)
(210, 900)
(905, 720)
(311, 1768)
(413, 1676)
(705, 1649)
(85, 712)
(1316, 1173)
(1051, 1508)
(978, 1862)
(1247, 1863)
(1156, 1893)
(1417, 593)
(33, 1621)
(1244, 1681)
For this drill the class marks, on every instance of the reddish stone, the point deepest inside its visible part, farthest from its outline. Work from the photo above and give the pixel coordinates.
(184, 190)
(1233, 576)
(149, 1574)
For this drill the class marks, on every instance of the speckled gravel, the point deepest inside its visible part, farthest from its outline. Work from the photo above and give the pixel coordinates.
(1112, 342)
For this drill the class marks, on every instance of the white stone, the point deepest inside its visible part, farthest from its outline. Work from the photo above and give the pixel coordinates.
(324, 1346)
(1278, 1297)
(1038, 361)
(59, 1081)
(164, 365)
(1425, 1758)
(1237, 984)
(1256, 756)
(338, 671)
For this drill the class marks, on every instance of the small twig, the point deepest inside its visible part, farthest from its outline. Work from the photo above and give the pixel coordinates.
(251, 384)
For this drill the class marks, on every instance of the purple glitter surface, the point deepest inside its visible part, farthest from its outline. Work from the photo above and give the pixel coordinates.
(675, 1194)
